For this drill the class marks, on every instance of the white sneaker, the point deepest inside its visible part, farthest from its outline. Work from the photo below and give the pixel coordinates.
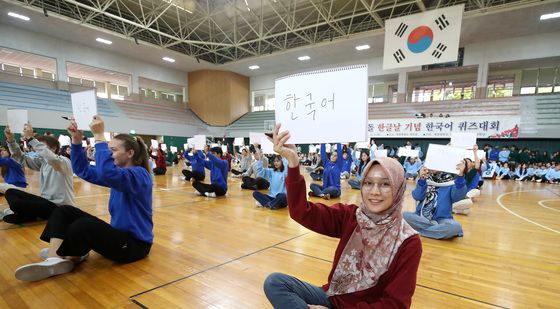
(210, 194)
(52, 266)
(44, 254)
(258, 204)
(7, 211)
(197, 193)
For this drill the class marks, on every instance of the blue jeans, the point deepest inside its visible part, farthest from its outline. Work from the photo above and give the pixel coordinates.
(318, 190)
(442, 229)
(354, 184)
(287, 292)
(280, 201)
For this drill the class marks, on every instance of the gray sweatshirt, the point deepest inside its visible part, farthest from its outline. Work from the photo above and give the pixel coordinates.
(253, 167)
(57, 181)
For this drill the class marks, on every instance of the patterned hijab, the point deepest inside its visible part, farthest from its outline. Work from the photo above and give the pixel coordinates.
(434, 182)
(376, 239)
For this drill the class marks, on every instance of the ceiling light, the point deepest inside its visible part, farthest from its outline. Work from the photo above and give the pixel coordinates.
(303, 58)
(254, 67)
(362, 47)
(550, 16)
(16, 15)
(168, 59)
(100, 40)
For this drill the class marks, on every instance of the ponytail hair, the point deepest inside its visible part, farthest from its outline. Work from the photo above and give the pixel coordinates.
(4, 169)
(136, 143)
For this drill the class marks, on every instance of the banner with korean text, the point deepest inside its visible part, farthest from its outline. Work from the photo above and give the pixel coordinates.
(484, 127)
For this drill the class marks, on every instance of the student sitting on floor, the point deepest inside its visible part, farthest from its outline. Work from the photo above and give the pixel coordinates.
(277, 178)
(12, 171)
(435, 194)
(161, 164)
(346, 162)
(197, 164)
(377, 257)
(331, 175)
(553, 176)
(463, 207)
(364, 160)
(504, 172)
(521, 172)
(245, 161)
(56, 178)
(121, 165)
(218, 175)
(255, 183)
(411, 167)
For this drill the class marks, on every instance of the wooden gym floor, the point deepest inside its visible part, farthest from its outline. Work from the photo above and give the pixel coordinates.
(216, 253)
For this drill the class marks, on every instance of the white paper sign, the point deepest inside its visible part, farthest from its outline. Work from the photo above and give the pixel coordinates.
(255, 138)
(164, 147)
(154, 144)
(444, 158)
(312, 149)
(362, 145)
(470, 154)
(84, 144)
(17, 118)
(188, 144)
(84, 107)
(319, 100)
(199, 141)
(173, 149)
(266, 145)
(64, 140)
(224, 149)
(238, 141)
(407, 152)
(92, 141)
(380, 153)
(463, 140)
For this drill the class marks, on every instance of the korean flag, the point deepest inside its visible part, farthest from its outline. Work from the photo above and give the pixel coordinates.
(424, 38)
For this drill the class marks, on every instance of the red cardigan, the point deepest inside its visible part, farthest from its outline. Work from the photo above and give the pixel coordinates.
(394, 288)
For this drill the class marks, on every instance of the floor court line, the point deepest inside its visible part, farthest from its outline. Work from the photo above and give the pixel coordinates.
(499, 201)
(215, 266)
(542, 204)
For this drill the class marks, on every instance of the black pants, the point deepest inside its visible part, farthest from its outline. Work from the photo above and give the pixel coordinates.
(254, 184)
(196, 175)
(203, 188)
(160, 170)
(236, 172)
(82, 232)
(27, 207)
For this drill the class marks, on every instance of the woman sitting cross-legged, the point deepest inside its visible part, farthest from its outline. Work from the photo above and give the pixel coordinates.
(377, 257)
(277, 178)
(121, 165)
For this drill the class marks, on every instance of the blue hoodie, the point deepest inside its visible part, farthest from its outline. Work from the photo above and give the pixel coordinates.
(197, 161)
(15, 175)
(130, 202)
(331, 172)
(502, 171)
(412, 168)
(531, 171)
(218, 171)
(493, 155)
(521, 173)
(446, 197)
(347, 164)
(277, 179)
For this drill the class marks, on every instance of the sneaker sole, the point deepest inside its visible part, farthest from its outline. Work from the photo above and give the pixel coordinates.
(39, 272)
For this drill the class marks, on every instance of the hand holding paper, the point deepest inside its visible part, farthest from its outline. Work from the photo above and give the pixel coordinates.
(287, 151)
(10, 137)
(76, 134)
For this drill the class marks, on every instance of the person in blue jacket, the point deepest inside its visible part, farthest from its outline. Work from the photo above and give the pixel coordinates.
(412, 167)
(331, 174)
(494, 154)
(218, 175)
(553, 175)
(121, 165)
(346, 163)
(364, 160)
(436, 194)
(12, 172)
(197, 165)
(504, 172)
(521, 172)
(277, 178)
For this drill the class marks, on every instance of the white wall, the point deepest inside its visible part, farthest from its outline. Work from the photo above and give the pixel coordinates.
(528, 47)
(19, 39)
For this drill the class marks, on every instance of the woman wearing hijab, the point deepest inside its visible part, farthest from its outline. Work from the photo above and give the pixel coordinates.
(436, 193)
(377, 258)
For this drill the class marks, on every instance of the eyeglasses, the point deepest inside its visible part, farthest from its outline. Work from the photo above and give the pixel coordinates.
(384, 186)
